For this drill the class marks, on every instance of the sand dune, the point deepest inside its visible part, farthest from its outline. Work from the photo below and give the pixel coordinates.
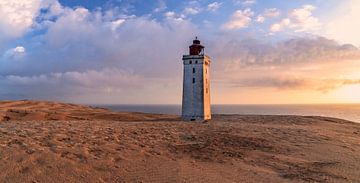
(26, 110)
(77, 145)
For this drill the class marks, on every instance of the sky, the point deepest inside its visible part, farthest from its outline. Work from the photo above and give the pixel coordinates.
(129, 51)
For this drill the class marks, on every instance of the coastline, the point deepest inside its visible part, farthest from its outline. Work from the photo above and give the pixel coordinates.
(341, 111)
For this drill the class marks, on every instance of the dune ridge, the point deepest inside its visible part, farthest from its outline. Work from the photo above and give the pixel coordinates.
(27, 110)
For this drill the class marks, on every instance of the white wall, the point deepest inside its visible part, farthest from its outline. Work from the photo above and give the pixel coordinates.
(196, 102)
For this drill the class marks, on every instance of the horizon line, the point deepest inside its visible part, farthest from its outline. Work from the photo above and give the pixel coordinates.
(230, 104)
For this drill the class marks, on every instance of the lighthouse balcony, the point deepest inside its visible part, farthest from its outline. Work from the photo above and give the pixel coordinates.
(187, 57)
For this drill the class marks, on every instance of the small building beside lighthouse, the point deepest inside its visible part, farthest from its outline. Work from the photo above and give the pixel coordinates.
(196, 84)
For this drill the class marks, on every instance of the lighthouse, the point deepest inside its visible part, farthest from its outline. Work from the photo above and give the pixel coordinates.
(196, 84)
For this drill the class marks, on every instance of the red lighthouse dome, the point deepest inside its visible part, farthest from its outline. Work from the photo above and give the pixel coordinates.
(196, 48)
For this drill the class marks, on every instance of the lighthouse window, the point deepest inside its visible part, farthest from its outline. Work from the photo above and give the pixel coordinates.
(193, 70)
(193, 80)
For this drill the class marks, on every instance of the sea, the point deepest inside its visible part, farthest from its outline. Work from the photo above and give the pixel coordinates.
(343, 111)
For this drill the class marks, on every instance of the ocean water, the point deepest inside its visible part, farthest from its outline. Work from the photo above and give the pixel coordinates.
(344, 111)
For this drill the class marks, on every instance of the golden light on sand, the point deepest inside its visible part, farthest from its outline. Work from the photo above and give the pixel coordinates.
(59, 139)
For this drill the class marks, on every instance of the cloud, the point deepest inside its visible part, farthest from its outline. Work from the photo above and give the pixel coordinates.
(83, 44)
(313, 65)
(88, 41)
(303, 20)
(17, 18)
(193, 7)
(249, 2)
(110, 57)
(239, 19)
(321, 85)
(191, 11)
(343, 25)
(268, 13)
(214, 6)
(18, 49)
(71, 84)
(143, 51)
(244, 2)
(173, 16)
(271, 13)
(162, 6)
(332, 84)
(116, 24)
(88, 79)
(272, 83)
(15, 53)
(53, 8)
(299, 20)
(108, 86)
(170, 14)
(281, 25)
(240, 53)
(260, 19)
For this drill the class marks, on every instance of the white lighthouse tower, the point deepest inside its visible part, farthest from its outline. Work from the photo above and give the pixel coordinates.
(196, 84)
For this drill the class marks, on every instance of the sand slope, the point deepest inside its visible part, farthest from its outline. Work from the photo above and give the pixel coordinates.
(26, 110)
(231, 148)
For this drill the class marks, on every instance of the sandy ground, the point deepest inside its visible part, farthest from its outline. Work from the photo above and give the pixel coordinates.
(52, 142)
